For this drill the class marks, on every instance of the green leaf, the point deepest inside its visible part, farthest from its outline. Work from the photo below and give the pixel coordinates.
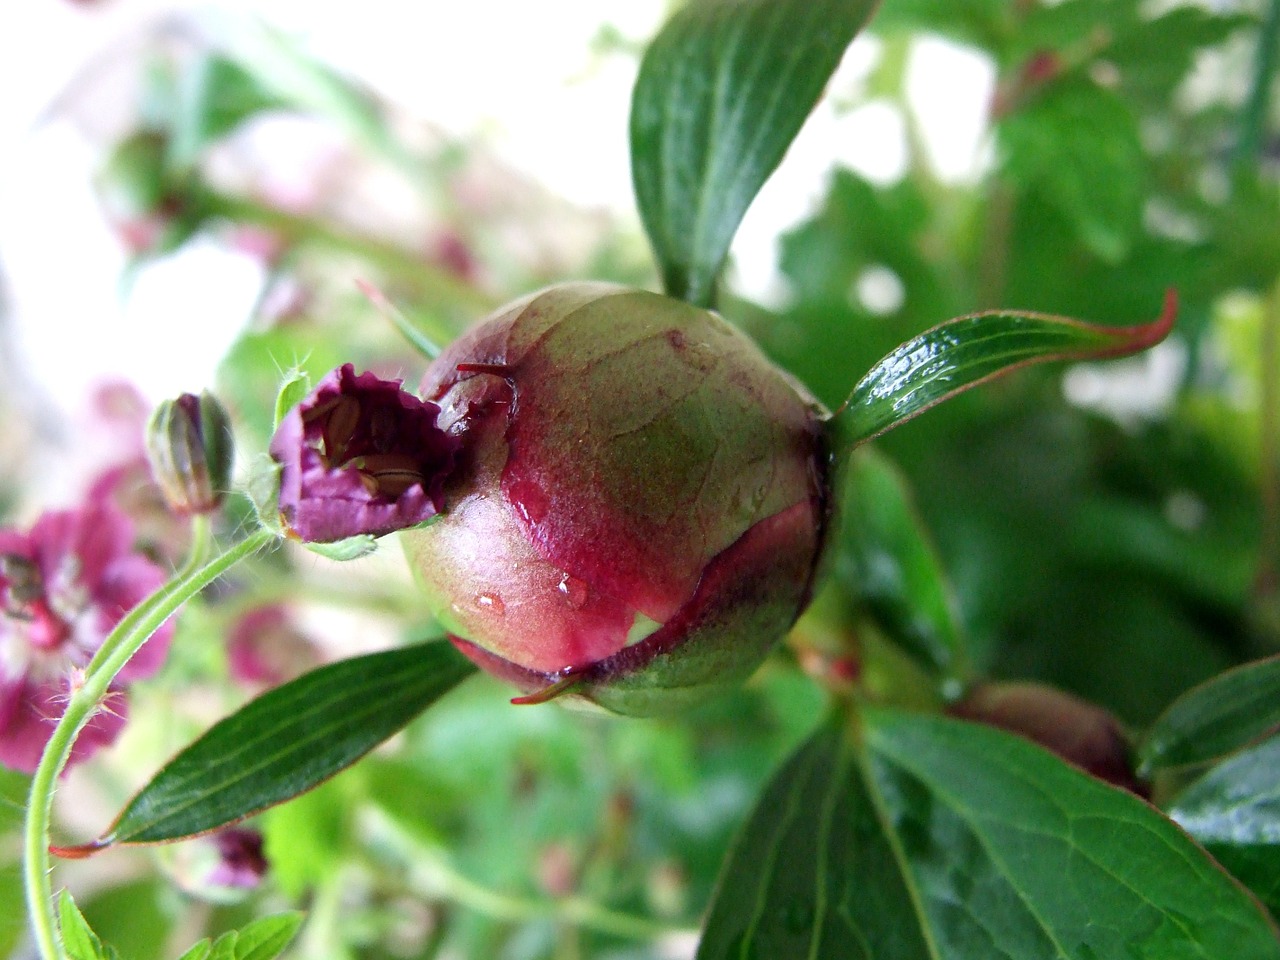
(888, 562)
(293, 390)
(198, 951)
(214, 96)
(78, 938)
(924, 837)
(966, 351)
(1233, 709)
(352, 548)
(814, 873)
(1234, 811)
(1078, 145)
(287, 741)
(265, 939)
(722, 91)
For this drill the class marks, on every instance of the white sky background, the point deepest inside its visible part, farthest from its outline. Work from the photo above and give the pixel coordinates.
(513, 71)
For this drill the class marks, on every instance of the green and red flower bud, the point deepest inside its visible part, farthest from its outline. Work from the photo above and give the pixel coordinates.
(640, 503)
(191, 450)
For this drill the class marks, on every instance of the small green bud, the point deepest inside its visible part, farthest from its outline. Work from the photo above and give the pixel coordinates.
(190, 447)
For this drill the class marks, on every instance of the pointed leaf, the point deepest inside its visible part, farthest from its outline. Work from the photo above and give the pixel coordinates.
(265, 939)
(934, 838)
(814, 874)
(888, 562)
(199, 950)
(1234, 811)
(351, 548)
(967, 351)
(289, 740)
(78, 938)
(1230, 711)
(722, 91)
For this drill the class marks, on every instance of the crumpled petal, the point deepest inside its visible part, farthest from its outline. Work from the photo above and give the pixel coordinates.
(360, 456)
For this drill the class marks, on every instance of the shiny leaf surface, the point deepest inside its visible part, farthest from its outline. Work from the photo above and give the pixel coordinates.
(1233, 709)
(936, 838)
(966, 351)
(287, 741)
(722, 91)
(1234, 811)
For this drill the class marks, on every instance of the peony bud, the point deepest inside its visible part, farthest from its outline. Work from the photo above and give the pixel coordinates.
(190, 448)
(640, 502)
(1080, 732)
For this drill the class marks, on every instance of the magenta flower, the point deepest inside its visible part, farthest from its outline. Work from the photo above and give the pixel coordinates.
(360, 456)
(241, 860)
(63, 586)
(264, 647)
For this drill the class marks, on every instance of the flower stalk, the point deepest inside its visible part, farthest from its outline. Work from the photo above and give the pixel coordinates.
(123, 642)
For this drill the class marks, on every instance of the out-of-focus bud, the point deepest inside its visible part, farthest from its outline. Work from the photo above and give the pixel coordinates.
(190, 448)
(1082, 733)
(640, 504)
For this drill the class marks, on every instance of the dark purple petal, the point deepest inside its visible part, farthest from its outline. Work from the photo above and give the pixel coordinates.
(360, 456)
(241, 861)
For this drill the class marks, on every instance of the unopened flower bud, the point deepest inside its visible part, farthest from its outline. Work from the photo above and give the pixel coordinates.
(1080, 732)
(190, 448)
(640, 503)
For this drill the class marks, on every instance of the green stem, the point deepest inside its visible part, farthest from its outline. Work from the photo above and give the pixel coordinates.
(121, 644)
(1253, 120)
(436, 283)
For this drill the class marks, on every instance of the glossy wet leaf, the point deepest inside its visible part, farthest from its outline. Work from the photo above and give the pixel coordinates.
(887, 561)
(1234, 811)
(289, 740)
(1233, 709)
(934, 838)
(722, 91)
(966, 351)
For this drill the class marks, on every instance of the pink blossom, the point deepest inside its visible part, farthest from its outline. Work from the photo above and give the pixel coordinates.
(63, 586)
(241, 861)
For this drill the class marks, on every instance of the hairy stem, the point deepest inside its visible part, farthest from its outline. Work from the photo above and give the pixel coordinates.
(121, 644)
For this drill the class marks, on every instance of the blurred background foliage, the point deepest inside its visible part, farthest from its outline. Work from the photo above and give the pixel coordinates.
(1113, 530)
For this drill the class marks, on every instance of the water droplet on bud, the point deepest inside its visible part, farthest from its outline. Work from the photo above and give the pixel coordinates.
(491, 602)
(573, 590)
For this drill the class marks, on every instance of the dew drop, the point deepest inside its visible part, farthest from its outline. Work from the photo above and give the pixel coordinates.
(573, 590)
(491, 602)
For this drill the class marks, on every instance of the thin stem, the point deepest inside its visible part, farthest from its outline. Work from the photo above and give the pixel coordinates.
(1253, 119)
(404, 264)
(121, 644)
(1267, 579)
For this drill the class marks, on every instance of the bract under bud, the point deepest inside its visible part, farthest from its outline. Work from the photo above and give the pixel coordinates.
(191, 450)
(640, 504)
